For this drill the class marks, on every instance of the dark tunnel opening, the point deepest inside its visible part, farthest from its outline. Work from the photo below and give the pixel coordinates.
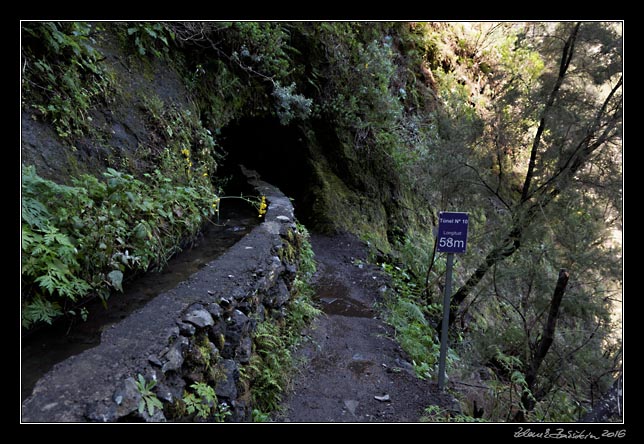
(277, 152)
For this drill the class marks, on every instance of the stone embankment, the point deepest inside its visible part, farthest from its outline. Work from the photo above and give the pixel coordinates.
(201, 331)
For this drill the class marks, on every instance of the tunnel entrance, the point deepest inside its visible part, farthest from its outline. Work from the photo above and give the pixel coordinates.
(277, 152)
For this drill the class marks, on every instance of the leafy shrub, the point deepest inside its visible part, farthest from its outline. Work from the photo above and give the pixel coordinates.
(190, 150)
(149, 37)
(83, 238)
(260, 47)
(289, 105)
(360, 74)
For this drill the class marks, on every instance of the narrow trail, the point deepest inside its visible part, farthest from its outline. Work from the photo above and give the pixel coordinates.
(351, 358)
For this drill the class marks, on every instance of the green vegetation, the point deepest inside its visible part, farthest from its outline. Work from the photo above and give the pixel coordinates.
(62, 75)
(518, 124)
(527, 184)
(107, 228)
(405, 310)
(149, 401)
(186, 149)
(269, 368)
(272, 363)
(238, 69)
(152, 38)
(202, 402)
(434, 413)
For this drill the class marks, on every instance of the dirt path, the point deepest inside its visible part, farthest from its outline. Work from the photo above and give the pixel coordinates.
(351, 358)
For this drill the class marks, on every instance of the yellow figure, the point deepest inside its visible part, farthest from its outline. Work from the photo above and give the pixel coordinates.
(262, 206)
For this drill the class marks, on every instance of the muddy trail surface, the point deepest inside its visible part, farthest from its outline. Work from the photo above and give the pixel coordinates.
(354, 371)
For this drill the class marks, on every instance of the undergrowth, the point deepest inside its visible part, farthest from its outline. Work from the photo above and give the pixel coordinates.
(62, 74)
(82, 239)
(405, 310)
(435, 413)
(273, 363)
(154, 38)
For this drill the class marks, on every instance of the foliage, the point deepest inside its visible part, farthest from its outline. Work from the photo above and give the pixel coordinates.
(495, 81)
(269, 366)
(435, 413)
(307, 256)
(52, 262)
(444, 111)
(261, 47)
(272, 363)
(405, 311)
(149, 399)
(62, 74)
(149, 37)
(187, 149)
(359, 71)
(220, 93)
(259, 416)
(242, 68)
(289, 105)
(104, 230)
(202, 402)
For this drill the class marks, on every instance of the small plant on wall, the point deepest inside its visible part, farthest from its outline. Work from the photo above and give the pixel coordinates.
(202, 403)
(149, 401)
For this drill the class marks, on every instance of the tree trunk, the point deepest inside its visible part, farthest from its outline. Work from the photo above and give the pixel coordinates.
(528, 399)
(510, 244)
(568, 51)
(610, 406)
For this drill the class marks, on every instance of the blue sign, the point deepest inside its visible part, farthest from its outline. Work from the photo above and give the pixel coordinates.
(452, 232)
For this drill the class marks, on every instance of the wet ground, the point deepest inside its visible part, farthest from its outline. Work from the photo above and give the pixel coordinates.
(42, 349)
(354, 371)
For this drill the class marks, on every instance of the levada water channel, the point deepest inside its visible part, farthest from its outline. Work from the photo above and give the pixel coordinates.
(42, 348)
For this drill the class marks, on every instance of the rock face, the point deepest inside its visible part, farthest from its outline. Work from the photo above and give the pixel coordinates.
(201, 331)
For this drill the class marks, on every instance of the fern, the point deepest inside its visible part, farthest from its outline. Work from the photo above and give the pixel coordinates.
(34, 213)
(270, 366)
(39, 310)
(83, 238)
(412, 312)
(203, 402)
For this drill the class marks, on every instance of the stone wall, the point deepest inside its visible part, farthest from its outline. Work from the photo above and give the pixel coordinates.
(201, 331)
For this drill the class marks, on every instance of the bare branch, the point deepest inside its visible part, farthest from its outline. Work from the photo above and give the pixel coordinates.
(488, 187)
(583, 150)
(516, 309)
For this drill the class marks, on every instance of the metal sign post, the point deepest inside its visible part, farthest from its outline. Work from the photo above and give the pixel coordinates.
(451, 238)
